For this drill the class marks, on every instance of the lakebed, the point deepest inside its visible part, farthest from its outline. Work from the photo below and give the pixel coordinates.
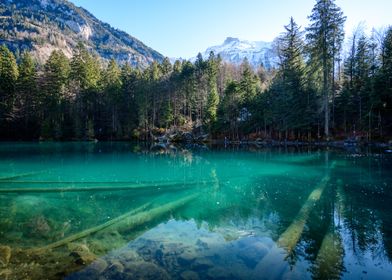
(129, 211)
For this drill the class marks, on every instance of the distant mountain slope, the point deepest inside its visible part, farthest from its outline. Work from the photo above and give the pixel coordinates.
(235, 50)
(44, 25)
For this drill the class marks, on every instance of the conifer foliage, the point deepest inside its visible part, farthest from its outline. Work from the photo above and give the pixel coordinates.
(313, 93)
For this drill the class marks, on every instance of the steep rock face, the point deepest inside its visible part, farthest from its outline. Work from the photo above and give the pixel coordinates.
(235, 51)
(42, 26)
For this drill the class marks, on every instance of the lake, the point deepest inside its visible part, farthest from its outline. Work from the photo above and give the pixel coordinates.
(136, 211)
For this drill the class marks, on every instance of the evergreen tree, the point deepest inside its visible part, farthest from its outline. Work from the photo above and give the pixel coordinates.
(54, 95)
(230, 108)
(85, 80)
(325, 35)
(248, 82)
(112, 84)
(362, 79)
(384, 85)
(85, 69)
(213, 97)
(27, 96)
(86, 98)
(8, 77)
(292, 75)
(128, 109)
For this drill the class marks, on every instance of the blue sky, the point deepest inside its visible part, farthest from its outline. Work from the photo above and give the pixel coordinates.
(182, 28)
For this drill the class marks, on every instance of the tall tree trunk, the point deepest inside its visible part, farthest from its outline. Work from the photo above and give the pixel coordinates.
(326, 105)
(325, 86)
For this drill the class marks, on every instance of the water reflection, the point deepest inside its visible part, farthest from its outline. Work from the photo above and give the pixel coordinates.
(205, 213)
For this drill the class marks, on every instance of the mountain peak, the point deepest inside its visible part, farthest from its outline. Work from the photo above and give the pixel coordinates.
(231, 40)
(234, 50)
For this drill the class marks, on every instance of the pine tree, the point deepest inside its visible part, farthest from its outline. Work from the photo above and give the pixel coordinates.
(8, 77)
(213, 97)
(325, 35)
(362, 78)
(27, 95)
(230, 108)
(130, 80)
(85, 69)
(384, 84)
(292, 76)
(54, 95)
(248, 82)
(85, 78)
(212, 105)
(112, 84)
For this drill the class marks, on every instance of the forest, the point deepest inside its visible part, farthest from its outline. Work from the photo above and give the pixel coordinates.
(325, 87)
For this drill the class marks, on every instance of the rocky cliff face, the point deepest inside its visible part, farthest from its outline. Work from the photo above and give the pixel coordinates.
(42, 26)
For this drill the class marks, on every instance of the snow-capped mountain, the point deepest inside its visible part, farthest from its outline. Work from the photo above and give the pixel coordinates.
(235, 51)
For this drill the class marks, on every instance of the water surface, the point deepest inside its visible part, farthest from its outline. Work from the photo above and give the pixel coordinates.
(133, 211)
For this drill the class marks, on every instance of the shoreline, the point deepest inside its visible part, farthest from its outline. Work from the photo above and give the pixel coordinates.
(225, 142)
(337, 143)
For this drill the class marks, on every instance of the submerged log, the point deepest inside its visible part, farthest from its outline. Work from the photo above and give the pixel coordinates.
(20, 175)
(101, 188)
(292, 234)
(147, 216)
(329, 261)
(125, 222)
(82, 182)
(92, 230)
(274, 261)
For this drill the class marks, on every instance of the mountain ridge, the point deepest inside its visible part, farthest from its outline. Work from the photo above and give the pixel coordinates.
(41, 26)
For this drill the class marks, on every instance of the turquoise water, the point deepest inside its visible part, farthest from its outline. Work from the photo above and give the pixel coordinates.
(129, 211)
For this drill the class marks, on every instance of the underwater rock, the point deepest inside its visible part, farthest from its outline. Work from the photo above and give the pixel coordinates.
(115, 267)
(81, 253)
(202, 264)
(128, 256)
(5, 255)
(186, 258)
(145, 270)
(83, 257)
(189, 275)
(78, 247)
(38, 226)
(217, 273)
(252, 254)
(98, 266)
(202, 244)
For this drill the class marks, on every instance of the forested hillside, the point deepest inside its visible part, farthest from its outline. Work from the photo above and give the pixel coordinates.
(320, 90)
